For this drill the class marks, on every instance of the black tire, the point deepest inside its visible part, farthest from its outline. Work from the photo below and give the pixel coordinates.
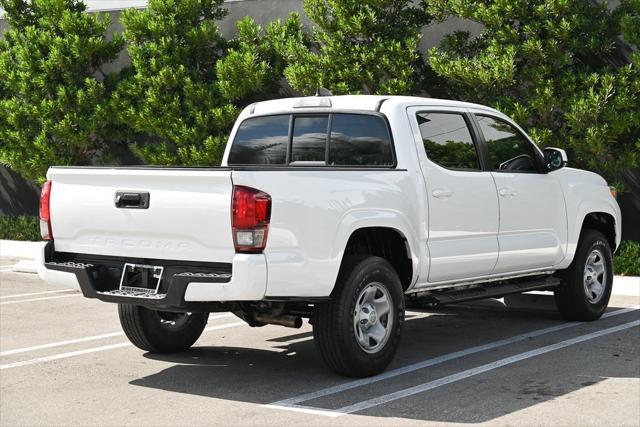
(334, 330)
(161, 332)
(574, 299)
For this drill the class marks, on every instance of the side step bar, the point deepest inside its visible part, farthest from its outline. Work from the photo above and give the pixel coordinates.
(440, 297)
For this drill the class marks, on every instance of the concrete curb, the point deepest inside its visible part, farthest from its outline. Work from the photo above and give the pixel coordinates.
(25, 266)
(17, 249)
(626, 285)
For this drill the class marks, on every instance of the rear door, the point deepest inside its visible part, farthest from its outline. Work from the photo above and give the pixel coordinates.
(462, 202)
(162, 213)
(533, 219)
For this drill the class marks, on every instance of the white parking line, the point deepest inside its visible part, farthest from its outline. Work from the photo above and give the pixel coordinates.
(296, 341)
(96, 349)
(292, 402)
(400, 394)
(39, 299)
(37, 293)
(64, 355)
(60, 343)
(307, 410)
(84, 339)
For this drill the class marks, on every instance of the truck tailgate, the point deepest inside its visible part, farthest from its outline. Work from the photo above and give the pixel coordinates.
(188, 215)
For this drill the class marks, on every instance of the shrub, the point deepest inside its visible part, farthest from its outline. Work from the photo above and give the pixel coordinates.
(52, 90)
(627, 259)
(20, 228)
(358, 46)
(187, 83)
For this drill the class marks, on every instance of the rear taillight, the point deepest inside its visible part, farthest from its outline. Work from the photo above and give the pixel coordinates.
(250, 216)
(45, 212)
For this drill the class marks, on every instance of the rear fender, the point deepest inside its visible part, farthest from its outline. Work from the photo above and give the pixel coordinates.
(369, 218)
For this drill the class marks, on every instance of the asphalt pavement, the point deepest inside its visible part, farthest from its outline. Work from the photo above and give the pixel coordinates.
(65, 361)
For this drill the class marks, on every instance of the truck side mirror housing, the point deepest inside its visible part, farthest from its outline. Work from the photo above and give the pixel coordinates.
(555, 158)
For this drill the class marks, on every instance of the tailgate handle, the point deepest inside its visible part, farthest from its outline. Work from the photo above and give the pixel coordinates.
(131, 200)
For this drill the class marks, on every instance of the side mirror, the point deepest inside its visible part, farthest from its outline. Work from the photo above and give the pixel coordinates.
(555, 158)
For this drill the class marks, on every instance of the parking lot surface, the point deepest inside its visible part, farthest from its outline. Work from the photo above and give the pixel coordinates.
(64, 360)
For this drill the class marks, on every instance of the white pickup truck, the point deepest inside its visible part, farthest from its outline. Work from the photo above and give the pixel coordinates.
(337, 209)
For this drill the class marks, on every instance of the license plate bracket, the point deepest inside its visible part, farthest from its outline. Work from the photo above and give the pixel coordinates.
(141, 278)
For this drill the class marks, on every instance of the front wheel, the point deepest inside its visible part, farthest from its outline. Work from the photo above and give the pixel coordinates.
(586, 285)
(161, 331)
(358, 331)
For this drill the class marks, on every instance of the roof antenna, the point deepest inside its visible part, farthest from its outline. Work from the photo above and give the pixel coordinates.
(321, 91)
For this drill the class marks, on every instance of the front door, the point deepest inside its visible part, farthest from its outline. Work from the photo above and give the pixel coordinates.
(533, 219)
(462, 201)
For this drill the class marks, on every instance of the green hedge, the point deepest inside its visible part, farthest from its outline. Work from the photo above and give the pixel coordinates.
(627, 259)
(20, 228)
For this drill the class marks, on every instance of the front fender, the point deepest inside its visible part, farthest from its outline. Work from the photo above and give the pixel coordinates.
(583, 209)
(585, 192)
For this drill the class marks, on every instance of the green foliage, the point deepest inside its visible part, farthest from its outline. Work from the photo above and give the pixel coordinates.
(358, 46)
(188, 83)
(20, 228)
(629, 14)
(552, 65)
(52, 90)
(253, 68)
(627, 259)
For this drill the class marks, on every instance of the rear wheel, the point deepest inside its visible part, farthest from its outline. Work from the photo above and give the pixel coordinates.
(161, 331)
(586, 285)
(358, 331)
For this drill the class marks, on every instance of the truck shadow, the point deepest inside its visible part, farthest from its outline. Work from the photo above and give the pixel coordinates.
(291, 366)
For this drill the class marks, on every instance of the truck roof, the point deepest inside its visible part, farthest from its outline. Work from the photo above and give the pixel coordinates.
(356, 102)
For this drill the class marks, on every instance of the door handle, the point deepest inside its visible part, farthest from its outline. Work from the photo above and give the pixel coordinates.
(508, 192)
(442, 193)
(131, 200)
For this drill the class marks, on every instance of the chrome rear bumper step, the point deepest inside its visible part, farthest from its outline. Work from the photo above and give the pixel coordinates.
(132, 294)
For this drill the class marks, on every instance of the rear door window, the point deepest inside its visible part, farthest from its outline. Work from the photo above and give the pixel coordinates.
(360, 140)
(447, 140)
(261, 141)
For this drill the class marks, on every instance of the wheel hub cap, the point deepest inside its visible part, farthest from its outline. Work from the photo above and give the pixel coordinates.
(373, 317)
(368, 316)
(595, 276)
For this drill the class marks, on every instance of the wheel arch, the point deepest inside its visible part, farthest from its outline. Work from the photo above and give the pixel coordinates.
(588, 213)
(603, 222)
(388, 242)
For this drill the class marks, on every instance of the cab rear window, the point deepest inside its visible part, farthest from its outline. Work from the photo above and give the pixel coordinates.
(336, 139)
(261, 141)
(360, 140)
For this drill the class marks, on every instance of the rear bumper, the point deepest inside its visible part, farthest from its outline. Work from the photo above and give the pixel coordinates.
(184, 287)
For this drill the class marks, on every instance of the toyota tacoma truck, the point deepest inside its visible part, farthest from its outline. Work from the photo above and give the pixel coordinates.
(339, 210)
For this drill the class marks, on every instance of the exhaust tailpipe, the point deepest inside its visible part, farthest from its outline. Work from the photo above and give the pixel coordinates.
(284, 320)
